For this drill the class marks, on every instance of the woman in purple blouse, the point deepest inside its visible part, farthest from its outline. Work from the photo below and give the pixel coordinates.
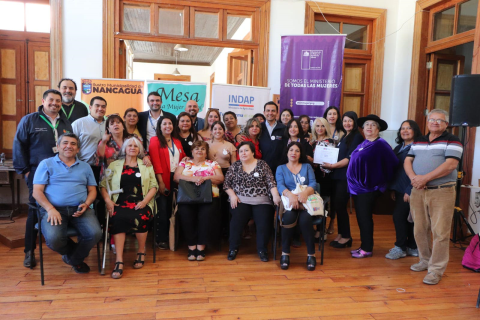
(372, 165)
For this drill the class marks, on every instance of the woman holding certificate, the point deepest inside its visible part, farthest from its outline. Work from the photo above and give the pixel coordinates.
(340, 194)
(372, 166)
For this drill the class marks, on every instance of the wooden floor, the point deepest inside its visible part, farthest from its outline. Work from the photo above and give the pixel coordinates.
(343, 288)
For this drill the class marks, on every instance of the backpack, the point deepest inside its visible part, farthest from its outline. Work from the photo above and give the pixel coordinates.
(471, 258)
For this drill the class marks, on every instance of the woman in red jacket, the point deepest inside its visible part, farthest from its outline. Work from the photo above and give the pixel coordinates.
(166, 152)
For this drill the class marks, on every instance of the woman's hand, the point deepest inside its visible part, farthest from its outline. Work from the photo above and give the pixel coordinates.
(392, 195)
(234, 201)
(303, 196)
(327, 165)
(200, 180)
(310, 159)
(140, 205)
(106, 137)
(276, 199)
(110, 206)
(161, 187)
(146, 161)
(293, 200)
(406, 197)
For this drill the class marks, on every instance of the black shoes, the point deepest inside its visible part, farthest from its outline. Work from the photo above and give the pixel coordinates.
(343, 245)
(232, 254)
(284, 262)
(311, 263)
(163, 246)
(81, 268)
(263, 256)
(333, 243)
(29, 261)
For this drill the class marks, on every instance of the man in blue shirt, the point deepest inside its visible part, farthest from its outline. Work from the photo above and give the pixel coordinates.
(192, 109)
(65, 188)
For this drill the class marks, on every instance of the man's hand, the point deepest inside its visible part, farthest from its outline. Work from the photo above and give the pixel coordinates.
(419, 181)
(392, 195)
(83, 207)
(26, 174)
(54, 217)
(406, 197)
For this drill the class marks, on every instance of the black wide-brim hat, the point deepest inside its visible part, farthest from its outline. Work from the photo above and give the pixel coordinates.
(382, 123)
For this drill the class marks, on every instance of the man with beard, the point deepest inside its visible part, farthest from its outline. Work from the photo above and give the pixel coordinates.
(71, 108)
(192, 109)
(147, 120)
(36, 140)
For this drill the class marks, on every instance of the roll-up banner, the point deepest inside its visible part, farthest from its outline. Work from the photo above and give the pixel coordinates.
(176, 94)
(311, 73)
(245, 101)
(120, 94)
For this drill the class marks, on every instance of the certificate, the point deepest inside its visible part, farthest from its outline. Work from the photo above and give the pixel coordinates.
(325, 155)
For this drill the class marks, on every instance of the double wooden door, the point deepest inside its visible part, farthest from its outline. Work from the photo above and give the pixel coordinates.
(24, 76)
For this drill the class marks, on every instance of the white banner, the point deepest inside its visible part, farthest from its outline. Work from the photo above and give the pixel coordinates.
(474, 208)
(245, 101)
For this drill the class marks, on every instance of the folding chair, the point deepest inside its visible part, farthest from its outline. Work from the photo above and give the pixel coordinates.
(71, 232)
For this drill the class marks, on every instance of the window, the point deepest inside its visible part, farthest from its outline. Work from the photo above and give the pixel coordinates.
(357, 31)
(457, 19)
(171, 21)
(24, 16)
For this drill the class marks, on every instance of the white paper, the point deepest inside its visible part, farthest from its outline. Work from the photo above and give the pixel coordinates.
(325, 155)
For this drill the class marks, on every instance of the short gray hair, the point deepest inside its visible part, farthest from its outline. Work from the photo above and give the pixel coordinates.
(445, 113)
(141, 154)
(70, 135)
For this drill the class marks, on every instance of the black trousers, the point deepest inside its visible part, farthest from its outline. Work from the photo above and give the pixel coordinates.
(32, 219)
(340, 198)
(262, 215)
(164, 212)
(403, 228)
(305, 222)
(364, 204)
(199, 222)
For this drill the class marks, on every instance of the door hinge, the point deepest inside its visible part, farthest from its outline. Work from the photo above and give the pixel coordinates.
(425, 112)
(429, 65)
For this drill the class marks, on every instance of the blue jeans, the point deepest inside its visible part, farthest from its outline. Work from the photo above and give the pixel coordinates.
(87, 226)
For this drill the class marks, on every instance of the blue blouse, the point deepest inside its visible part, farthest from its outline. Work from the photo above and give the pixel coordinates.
(287, 180)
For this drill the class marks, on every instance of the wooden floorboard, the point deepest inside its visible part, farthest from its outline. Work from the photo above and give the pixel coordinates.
(174, 288)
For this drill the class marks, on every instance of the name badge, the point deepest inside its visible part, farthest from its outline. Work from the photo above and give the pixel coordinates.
(138, 174)
(190, 143)
(273, 138)
(225, 152)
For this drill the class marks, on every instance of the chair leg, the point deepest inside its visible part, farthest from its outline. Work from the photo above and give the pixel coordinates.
(154, 247)
(99, 259)
(322, 238)
(40, 253)
(274, 244)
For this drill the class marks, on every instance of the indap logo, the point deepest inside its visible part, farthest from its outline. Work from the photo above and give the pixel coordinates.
(240, 101)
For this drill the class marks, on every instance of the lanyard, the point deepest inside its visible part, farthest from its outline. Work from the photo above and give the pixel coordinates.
(51, 126)
(70, 113)
(151, 122)
(172, 151)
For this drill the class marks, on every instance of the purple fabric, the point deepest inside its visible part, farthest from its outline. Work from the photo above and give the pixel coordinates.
(372, 165)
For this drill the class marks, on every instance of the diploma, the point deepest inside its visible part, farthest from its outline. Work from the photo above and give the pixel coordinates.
(325, 155)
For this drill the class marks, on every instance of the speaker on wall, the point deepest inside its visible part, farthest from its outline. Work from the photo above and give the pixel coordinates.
(465, 101)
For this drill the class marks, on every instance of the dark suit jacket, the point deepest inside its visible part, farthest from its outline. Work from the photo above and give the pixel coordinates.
(143, 120)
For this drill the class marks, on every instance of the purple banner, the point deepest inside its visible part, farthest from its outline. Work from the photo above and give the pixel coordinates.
(311, 75)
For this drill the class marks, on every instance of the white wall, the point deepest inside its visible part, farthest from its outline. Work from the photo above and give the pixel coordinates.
(82, 40)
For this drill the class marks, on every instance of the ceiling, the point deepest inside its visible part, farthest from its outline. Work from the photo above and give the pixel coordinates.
(137, 19)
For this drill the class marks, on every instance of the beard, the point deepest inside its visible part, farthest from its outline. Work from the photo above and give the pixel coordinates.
(67, 99)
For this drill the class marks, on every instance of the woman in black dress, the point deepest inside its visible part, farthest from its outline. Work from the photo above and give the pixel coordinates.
(131, 210)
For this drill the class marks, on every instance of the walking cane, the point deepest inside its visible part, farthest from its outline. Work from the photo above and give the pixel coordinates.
(108, 178)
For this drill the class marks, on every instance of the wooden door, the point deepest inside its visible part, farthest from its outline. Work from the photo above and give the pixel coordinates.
(12, 92)
(355, 86)
(239, 69)
(38, 66)
(444, 67)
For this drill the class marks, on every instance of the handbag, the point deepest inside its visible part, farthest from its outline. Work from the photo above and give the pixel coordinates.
(190, 193)
(313, 205)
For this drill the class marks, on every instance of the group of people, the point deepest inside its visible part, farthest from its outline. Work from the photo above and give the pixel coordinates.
(65, 151)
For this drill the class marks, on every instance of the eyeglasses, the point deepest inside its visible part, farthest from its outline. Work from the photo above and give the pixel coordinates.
(438, 121)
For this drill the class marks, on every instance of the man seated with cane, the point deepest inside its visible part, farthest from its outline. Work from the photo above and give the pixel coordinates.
(65, 187)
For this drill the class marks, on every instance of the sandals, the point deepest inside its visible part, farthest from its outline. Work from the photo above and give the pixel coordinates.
(284, 262)
(192, 255)
(117, 270)
(200, 255)
(139, 261)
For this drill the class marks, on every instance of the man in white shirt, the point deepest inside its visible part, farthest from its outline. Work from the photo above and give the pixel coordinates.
(90, 130)
(147, 120)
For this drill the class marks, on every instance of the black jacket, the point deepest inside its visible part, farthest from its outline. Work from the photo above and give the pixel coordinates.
(34, 140)
(79, 111)
(401, 182)
(143, 120)
(272, 150)
(307, 148)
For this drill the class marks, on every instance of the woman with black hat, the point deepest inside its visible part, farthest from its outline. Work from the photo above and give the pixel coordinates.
(340, 195)
(372, 165)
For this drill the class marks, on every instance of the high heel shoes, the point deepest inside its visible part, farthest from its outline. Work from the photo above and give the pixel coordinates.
(284, 262)
(343, 245)
(311, 263)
